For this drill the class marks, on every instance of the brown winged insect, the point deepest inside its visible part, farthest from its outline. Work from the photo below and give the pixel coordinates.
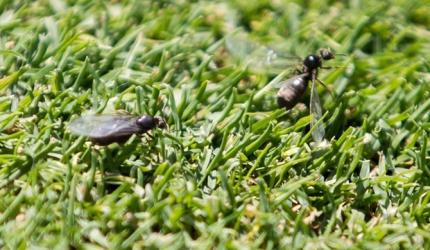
(257, 56)
(105, 129)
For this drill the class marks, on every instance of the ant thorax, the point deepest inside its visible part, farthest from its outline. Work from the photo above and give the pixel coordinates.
(311, 63)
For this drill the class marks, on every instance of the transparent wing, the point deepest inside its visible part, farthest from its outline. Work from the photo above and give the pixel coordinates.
(256, 56)
(97, 126)
(315, 108)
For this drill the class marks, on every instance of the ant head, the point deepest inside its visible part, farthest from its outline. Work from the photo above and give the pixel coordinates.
(160, 122)
(326, 54)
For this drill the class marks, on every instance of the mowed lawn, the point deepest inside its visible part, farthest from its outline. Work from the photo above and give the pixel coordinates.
(233, 170)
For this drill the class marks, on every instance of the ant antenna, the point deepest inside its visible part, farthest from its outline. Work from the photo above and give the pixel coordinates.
(341, 54)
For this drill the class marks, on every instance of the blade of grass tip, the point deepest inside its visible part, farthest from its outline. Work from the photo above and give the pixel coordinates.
(247, 107)
(264, 202)
(91, 179)
(422, 208)
(131, 55)
(259, 141)
(168, 76)
(422, 162)
(231, 81)
(357, 156)
(184, 101)
(5, 52)
(45, 151)
(298, 225)
(9, 120)
(262, 92)
(155, 104)
(40, 51)
(31, 44)
(227, 186)
(280, 170)
(263, 123)
(377, 113)
(234, 122)
(41, 211)
(163, 183)
(291, 187)
(140, 177)
(160, 48)
(162, 143)
(225, 111)
(218, 44)
(175, 115)
(232, 152)
(205, 162)
(56, 81)
(202, 91)
(16, 135)
(218, 157)
(143, 229)
(420, 111)
(95, 87)
(141, 107)
(9, 80)
(115, 195)
(198, 73)
(81, 76)
(162, 65)
(42, 72)
(64, 49)
(119, 47)
(190, 110)
(70, 213)
(14, 173)
(13, 208)
(259, 160)
(67, 181)
(302, 122)
(340, 165)
(361, 25)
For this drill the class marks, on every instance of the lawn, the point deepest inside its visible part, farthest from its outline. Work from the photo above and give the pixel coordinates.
(233, 170)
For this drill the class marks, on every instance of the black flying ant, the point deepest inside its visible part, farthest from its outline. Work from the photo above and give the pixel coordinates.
(293, 89)
(259, 57)
(106, 129)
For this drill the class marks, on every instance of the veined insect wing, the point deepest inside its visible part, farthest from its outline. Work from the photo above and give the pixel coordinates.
(256, 56)
(315, 110)
(96, 126)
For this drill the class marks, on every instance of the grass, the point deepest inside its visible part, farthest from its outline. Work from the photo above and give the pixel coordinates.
(233, 170)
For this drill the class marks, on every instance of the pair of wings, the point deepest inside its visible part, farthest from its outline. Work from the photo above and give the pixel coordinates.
(105, 125)
(260, 58)
(257, 57)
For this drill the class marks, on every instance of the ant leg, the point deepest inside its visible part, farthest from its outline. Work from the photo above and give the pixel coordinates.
(150, 136)
(332, 67)
(329, 90)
